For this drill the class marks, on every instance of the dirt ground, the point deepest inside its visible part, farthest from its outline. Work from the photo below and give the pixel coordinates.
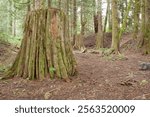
(89, 41)
(98, 78)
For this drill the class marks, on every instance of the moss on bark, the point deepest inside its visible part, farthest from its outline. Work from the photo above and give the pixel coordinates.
(45, 46)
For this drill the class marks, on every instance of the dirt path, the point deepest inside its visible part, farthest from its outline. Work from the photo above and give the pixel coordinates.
(98, 78)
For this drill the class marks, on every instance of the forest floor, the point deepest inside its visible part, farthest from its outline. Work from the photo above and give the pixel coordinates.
(98, 78)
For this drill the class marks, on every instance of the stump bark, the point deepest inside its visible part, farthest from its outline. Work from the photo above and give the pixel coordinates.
(46, 49)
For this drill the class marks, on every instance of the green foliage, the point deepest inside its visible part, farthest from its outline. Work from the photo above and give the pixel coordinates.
(12, 18)
(114, 57)
(121, 57)
(2, 68)
(52, 71)
(4, 37)
(108, 51)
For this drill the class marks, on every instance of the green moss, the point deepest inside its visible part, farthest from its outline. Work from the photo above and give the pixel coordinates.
(46, 48)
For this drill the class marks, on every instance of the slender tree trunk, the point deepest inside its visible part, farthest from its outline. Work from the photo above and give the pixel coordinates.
(59, 4)
(122, 13)
(109, 16)
(106, 17)
(29, 6)
(95, 20)
(33, 6)
(10, 18)
(49, 3)
(67, 14)
(136, 18)
(142, 29)
(115, 27)
(71, 24)
(79, 45)
(74, 21)
(14, 26)
(124, 25)
(99, 35)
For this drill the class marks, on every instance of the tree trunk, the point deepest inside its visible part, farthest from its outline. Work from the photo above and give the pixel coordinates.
(99, 34)
(79, 44)
(142, 28)
(106, 18)
(74, 21)
(59, 3)
(10, 18)
(95, 20)
(145, 30)
(14, 25)
(136, 18)
(45, 50)
(98, 24)
(124, 24)
(49, 3)
(109, 16)
(115, 27)
(29, 6)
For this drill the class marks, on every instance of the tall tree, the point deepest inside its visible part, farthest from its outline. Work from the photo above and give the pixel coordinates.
(145, 30)
(79, 45)
(49, 3)
(106, 17)
(59, 3)
(124, 20)
(99, 34)
(29, 5)
(142, 31)
(136, 18)
(14, 21)
(74, 21)
(115, 27)
(109, 15)
(95, 16)
(10, 18)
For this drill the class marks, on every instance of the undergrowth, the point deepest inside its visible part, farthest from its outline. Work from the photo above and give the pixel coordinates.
(10, 39)
(108, 54)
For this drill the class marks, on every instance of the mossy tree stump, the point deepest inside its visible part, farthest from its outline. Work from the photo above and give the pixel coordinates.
(46, 49)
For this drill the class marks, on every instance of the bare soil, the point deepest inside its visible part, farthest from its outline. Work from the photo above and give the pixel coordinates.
(98, 78)
(89, 41)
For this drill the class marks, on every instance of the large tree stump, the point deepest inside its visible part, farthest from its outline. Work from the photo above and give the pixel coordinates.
(46, 49)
